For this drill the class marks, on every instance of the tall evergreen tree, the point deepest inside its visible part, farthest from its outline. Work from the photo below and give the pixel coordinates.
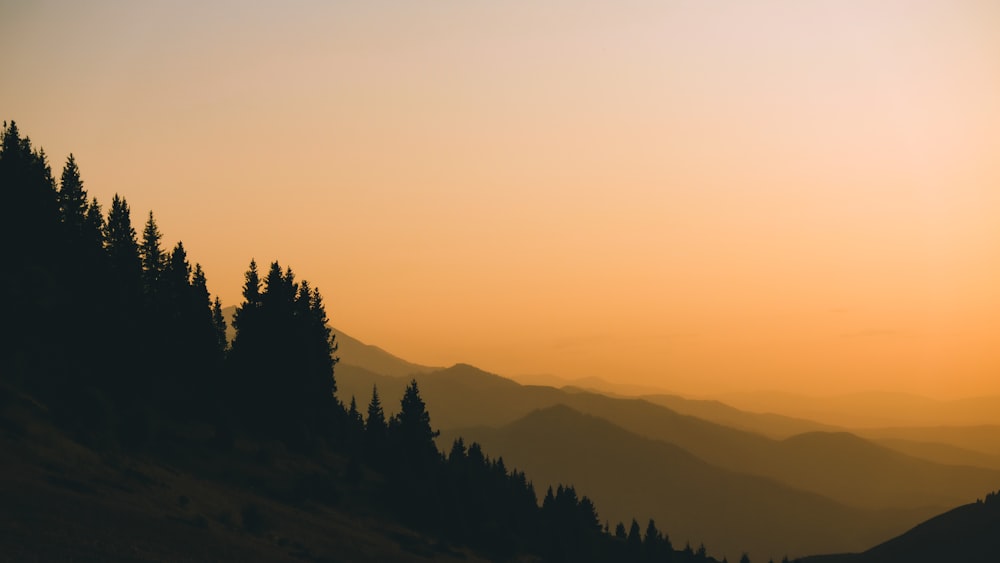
(153, 260)
(375, 425)
(634, 536)
(411, 429)
(356, 423)
(72, 198)
(282, 354)
(177, 273)
(93, 225)
(120, 240)
(251, 285)
(201, 298)
(219, 323)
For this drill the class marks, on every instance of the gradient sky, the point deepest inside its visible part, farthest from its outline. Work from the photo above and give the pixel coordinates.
(707, 196)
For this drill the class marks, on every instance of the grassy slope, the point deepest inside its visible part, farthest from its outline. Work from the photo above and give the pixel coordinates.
(62, 501)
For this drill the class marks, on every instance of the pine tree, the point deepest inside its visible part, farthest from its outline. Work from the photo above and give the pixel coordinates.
(457, 455)
(72, 198)
(201, 319)
(411, 428)
(355, 421)
(251, 285)
(634, 537)
(201, 298)
(120, 241)
(153, 260)
(177, 273)
(93, 225)
(653, 543)
(375, 425)
(219, 323)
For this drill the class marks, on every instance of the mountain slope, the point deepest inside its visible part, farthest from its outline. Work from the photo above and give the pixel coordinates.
(458, 396)
(64, 501)
(769, 424)
(693, 501)
(941, 453)
(354, 352)
(837, 465)
(981, 438)
(872, 410)
(969, 533)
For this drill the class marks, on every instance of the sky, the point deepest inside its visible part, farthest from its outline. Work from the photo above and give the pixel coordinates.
(704, 196)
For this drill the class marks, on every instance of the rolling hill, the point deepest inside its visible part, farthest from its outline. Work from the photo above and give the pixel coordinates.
(769, 424)
(969, 533)
(694, 501)
(838, 465)
(871, 409)
(980, 438)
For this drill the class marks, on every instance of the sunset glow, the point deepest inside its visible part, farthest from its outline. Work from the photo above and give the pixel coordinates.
(700, 196)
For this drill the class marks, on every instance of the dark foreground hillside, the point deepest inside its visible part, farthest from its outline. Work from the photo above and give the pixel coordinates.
(967, 534)
(65, 502)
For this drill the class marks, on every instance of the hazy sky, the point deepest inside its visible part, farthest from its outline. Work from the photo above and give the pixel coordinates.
(703, 195)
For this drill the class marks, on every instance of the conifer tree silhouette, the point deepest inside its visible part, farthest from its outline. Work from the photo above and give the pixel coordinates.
(153, 259)
(120, 240)
(30, 230)
(634, 539)
(219, 324)
(94, 225)
(410, 430)
(148, 339)
(355, 422)
(282, 357)
(72, 198)
(375, 427)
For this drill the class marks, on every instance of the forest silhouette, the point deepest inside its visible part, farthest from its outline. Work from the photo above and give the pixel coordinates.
(141, 357)
(118, 344)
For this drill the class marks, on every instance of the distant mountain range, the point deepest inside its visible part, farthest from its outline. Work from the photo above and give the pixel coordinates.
(628, 475)
(872, 410)
(706, 471)
(841, 466)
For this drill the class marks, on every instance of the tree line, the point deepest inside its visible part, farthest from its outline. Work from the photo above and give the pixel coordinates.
(121, 339)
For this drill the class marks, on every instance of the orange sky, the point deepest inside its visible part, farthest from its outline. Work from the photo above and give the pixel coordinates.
(705, 196)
